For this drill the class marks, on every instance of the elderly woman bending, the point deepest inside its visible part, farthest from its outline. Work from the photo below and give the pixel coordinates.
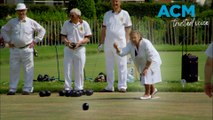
(146, 59)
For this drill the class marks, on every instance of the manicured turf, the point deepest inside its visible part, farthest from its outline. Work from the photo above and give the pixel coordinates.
(108, 106)
(95, 63)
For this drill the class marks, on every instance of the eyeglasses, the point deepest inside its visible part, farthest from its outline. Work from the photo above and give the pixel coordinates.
(71, 15)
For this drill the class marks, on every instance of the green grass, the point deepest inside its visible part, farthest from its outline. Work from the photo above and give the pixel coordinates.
(95, 63)
(108, 106)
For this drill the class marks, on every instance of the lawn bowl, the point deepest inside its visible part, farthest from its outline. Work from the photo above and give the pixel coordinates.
(85, 106)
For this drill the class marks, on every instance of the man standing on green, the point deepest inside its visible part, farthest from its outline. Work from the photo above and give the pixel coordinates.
(19, 33)
(116, 28)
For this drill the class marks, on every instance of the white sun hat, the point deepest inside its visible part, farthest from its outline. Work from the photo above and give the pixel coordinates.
(21, 6)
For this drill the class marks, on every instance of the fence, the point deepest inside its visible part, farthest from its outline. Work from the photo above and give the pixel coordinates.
(158, 31)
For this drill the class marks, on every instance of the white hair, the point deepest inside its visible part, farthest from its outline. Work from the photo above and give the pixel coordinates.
(76, 11)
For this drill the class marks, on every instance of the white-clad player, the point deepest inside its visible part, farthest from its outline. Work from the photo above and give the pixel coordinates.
(75, 33)
(19, 34)
(147, 61)
(208, 71)
(116, 28)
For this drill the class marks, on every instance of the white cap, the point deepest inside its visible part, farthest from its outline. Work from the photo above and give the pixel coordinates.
(21, 6)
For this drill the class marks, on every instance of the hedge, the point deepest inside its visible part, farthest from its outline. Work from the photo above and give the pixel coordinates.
(91, 10)
(87, 7)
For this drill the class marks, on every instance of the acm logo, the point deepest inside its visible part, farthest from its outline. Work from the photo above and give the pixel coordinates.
(183, 11)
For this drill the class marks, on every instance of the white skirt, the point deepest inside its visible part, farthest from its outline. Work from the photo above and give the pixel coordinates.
(153, 76)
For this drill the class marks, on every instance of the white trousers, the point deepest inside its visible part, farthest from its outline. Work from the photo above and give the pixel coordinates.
(74, 58)
(21, 58)
(111, 56)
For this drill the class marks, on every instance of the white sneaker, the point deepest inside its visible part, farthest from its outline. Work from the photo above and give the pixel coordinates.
(155, 91)
(145, 97)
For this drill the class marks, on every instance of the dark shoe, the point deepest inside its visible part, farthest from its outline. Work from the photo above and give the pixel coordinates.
(122, 90)
(25, 93)
(11, 93)
(104, 90)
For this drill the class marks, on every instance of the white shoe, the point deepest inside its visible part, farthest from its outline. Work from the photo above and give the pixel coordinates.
(145, 97)
(155, 91)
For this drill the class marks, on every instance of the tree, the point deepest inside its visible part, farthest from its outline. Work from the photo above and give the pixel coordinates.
(87, 7)
(72, 4)
(212, 5)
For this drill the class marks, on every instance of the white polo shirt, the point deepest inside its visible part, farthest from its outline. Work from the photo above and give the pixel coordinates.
(21, 33)
(115, 27)
(209, 50)
(76, 32)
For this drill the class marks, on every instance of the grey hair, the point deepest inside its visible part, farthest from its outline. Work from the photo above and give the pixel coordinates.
(76, 11)
(137, 32)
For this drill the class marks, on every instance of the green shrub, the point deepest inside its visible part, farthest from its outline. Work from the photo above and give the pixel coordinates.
(87, 7)
(72, 4)
(101, 8)
(6, 10)
(90, 9)
(152, 9)
(142, 9)
(48, 16)
(206, 13)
